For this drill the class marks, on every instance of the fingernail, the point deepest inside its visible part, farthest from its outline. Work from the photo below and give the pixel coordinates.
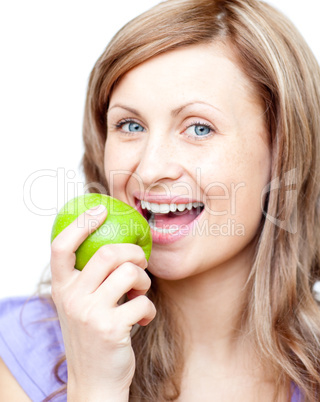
(97, 210)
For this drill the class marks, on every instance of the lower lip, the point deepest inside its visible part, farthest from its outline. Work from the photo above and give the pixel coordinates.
(167, 238)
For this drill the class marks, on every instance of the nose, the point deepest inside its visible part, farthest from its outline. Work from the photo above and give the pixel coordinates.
(159, 163)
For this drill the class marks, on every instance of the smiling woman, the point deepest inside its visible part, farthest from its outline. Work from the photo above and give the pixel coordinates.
(178, 164)
(203, 115)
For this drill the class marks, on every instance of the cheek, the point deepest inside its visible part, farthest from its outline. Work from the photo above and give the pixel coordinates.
(117, 169)
(253, 176)
(113, 155)
(120, 163)
(235, 187)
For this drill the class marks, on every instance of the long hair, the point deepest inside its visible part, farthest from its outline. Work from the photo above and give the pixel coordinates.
(281, 314)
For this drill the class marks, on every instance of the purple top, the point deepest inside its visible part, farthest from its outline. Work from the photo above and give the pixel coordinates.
(296, 396)
(30, 347)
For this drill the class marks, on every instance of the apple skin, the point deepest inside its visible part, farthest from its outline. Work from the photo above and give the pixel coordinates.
(123, 225)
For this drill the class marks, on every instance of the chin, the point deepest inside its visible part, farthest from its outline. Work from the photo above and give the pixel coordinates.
(172, 267)
(166, 269)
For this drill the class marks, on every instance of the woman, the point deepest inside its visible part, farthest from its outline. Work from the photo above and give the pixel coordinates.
(210, 108)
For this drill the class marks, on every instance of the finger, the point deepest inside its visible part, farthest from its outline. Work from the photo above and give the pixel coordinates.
(106, 260)
(140, 311)
(126, 277)
(67, 242)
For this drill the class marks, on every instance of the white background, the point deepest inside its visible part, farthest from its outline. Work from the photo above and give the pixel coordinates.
(47, 51)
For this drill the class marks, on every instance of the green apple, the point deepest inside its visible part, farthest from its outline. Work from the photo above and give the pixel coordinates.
(123, 225)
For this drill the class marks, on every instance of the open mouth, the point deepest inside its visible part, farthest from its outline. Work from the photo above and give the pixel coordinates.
(169, 218)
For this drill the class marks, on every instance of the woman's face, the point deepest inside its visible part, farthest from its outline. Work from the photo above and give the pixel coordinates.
(188, 148)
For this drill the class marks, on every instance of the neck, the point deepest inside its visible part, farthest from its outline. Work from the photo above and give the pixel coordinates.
(210, 305)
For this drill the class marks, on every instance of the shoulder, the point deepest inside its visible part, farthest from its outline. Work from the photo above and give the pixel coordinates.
(13, 307)
(31, 344)
(10, 389)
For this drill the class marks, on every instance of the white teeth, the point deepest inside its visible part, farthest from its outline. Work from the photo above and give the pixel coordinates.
(162, 230)
(173, 207)
(155, 208)
(166, 208)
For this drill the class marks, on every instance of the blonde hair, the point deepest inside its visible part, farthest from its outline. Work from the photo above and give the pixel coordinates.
(281, 314)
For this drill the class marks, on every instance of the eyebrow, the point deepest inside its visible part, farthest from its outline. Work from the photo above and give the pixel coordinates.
(174, 112)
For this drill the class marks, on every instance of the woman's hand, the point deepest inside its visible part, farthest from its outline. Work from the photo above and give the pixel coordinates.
(96, 330)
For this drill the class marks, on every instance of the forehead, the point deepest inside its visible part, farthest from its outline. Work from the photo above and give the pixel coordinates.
(199, 70)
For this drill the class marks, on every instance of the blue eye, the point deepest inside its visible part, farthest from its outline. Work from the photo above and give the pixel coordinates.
(132, 127)
(198, 130)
